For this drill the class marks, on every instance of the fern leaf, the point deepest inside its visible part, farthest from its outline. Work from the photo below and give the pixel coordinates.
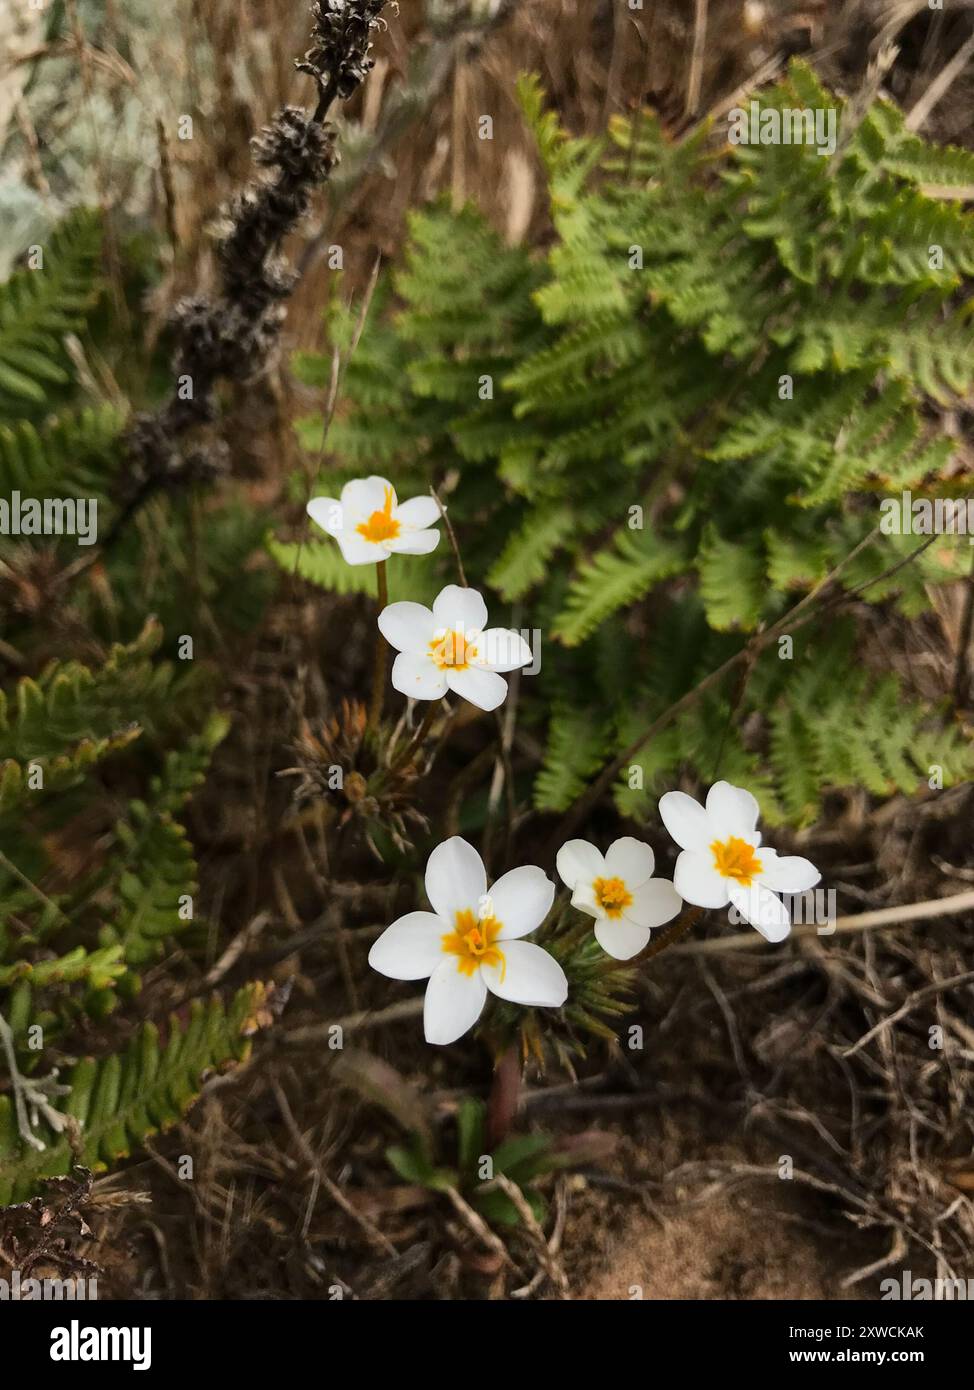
(732, 582)
(37, 307)
(119, 1101)
(576, 745)
(321, 563)
(524, 560)
(71, 716)
(615, 578)
(72, 454)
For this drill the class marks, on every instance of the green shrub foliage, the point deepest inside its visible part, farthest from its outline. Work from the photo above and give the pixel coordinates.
(661, 433)
(69, 955)
(97, 883)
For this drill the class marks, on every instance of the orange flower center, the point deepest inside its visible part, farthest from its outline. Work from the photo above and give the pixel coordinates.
(612, 895)
(474, 942)
(452, 650)
(736, 859)
(381, 526)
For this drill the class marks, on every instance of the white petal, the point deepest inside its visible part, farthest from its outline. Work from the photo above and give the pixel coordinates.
(485, 689)
(789, 873)
(686, 820)
(327, 513)
(698, 882)
(417, 676)
(579, 861)
(762, 908)
(411, 948)
(454, 607)
(529, 975)
(414, 542)
(418, 513)
(363, 496)
(653, 903)
(356, 550)
(456, 880)
(521, 900)
(503, 649)
(584, 899)
(621, 939)
(407, 626)
(732, 811)
(631, 860)
(454, 1002)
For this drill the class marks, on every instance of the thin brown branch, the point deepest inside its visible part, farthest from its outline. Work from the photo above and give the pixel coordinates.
(381, 661)
(860, 922)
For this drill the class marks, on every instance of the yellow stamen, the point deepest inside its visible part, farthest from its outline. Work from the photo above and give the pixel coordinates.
(736, 859)
(452, 651)
(381, 526)
(474, 942)
(612, 895)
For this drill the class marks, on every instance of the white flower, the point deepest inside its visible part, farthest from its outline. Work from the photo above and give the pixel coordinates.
(723, 860)
(370, 525)
(469, 943)
(619, 891)
(451, 648)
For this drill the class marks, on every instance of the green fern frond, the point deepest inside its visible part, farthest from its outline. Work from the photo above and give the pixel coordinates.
(39, 306)
(100, 969)
(615, 578)
(185, 768)
(524, 560)
(321, 563)
(157, 885)
(72, 454)
(72, 716)
(575, 749)
(827, 735)
(567, 161)
(732, 582)
(117, 1102)
(70, 703)
(154, 868)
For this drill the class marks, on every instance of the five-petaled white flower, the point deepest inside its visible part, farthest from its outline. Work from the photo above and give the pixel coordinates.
(469, 943)
(369, 524)
(724, 861)
(451, 648)
(619, 891)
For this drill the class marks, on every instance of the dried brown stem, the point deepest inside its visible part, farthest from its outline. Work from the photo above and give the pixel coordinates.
(381, 659)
